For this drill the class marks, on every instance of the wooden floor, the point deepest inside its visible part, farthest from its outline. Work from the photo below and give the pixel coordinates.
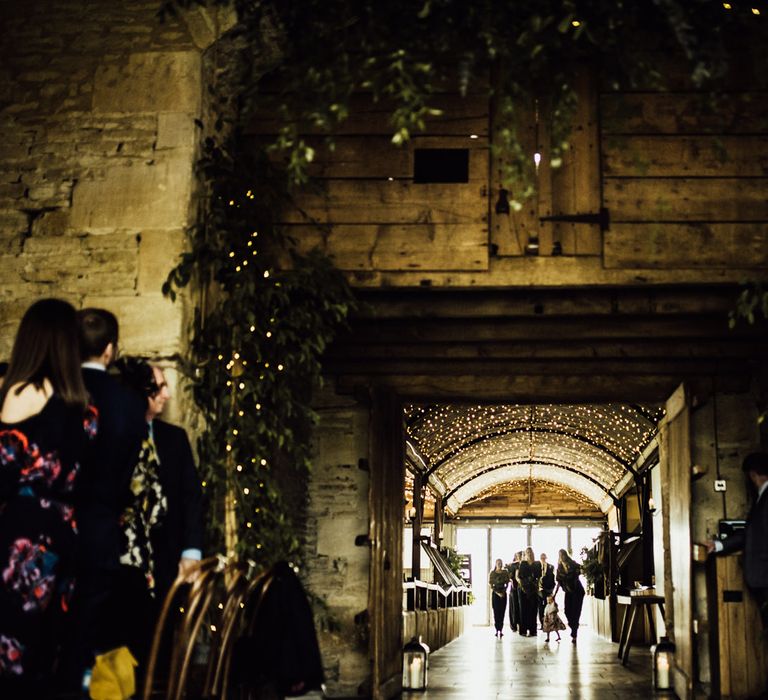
(478, 666)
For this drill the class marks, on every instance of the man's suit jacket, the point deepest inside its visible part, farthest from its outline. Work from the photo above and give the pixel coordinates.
(182, 526)
(754, 541)
(103, 484)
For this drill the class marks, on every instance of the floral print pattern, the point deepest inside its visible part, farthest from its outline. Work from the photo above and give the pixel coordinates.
(31, 572)
(11, 651)
(39, 464)
(148, 508)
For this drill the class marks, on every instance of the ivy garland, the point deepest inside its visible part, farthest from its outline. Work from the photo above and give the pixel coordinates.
(256, 345)
(269, 312)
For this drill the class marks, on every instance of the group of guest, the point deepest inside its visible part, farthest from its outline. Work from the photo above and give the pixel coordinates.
(100, 503)
(530, 587)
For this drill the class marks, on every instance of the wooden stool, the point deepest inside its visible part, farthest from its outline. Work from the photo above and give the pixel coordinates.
(635, 602)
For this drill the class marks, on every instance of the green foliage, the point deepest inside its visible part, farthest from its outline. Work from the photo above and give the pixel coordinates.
(453, 559)
(593, 569)
(751, 305)
(406, 52)
(268, 314)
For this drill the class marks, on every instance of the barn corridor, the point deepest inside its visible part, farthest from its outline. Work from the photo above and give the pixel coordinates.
(478, 666)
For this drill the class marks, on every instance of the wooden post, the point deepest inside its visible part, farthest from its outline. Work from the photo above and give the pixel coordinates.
(438, 520)
(418, 504)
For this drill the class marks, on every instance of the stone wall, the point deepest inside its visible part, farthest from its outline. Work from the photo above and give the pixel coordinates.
(338, 570)
(98, 102)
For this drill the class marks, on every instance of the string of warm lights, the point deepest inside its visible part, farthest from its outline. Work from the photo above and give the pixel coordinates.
(265, 320)
(598, 441)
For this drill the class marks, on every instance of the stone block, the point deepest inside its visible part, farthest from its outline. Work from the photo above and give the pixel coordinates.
(12, 223)
(51, 223)
(206, 24)
(150, 82)
(150, 324)
(175, 130)
(159, 252)
(150, 196)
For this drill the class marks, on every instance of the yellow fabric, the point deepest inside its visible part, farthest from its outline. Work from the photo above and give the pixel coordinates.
(113, 676)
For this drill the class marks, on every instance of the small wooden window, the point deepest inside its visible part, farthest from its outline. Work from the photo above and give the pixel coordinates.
(440, 165)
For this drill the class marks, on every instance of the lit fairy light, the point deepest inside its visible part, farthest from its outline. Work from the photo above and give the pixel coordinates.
(598, 441)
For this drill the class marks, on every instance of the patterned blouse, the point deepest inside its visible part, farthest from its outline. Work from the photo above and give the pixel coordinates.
(39, 462)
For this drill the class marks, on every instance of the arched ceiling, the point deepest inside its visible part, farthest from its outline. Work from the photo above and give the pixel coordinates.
(583, 447)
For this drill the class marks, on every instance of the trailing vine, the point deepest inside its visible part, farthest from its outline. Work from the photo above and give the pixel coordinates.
(256, 345)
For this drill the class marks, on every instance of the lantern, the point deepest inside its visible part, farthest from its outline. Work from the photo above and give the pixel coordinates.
(663, 658)
(415, 664)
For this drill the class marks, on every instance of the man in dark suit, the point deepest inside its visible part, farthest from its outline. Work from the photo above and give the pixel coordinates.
(753, 539)
(178, 540)
(103, 489)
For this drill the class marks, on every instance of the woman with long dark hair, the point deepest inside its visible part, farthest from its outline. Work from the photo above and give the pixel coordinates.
(498, 580)
(528, 592)
(45, 426)
(568, 572)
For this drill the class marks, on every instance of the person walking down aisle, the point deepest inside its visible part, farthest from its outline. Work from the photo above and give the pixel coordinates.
(46, 426)
(552, 621)
(528, 591)
(498, 580)
(546, 585)
(568, 572)
(514, 599)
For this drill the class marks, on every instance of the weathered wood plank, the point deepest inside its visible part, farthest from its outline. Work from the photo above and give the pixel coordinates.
(686, 199)
(584, 367)
(686, 245)
(683, 113)
(462, 116)
(520, 388)
(396, 202)
(575, 186)
(399, 246)
(358, 347)
(546, 328)
(616, 302)
(377, 157)
(675, 156)
(510, 231)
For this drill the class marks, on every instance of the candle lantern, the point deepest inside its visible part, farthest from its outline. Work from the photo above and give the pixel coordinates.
(663, 658)
(415, 665)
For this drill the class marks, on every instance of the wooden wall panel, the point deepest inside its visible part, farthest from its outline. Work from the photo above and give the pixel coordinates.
(683, 113)
(686, 199)
(695, 245)
(684, 179)
(685, 156)
(426, 246)
(573, 187)
(364, 209)
(462, 116)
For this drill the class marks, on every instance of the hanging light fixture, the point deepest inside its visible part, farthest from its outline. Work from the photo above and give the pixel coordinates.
(415, 664)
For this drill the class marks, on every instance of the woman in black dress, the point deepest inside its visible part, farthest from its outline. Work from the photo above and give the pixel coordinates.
(45, 426)
(568, 572)
(528, 592)
(514, 600)
(498, 580)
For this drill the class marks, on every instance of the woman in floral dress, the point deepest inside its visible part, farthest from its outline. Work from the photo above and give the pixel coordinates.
(45, 427)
